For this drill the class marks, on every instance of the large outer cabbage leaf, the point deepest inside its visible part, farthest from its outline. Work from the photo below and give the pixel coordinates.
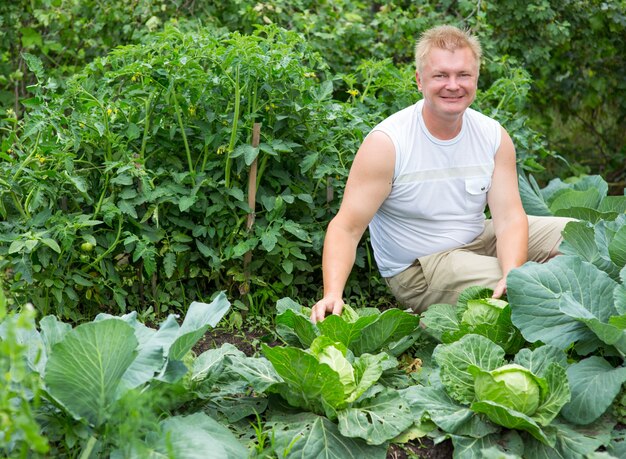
(596, 244)
(308, 383)
(507, 445)
(454, 360)
(377, 419)
(295, 328)
(85, 369)
(537, 292)
(197, 436)
(595, 384)
(370, 334)
(512, 419)
(445, 412)
(308, 435)
(368, 368)
(572, 441)
(532, 199)
(617, 248)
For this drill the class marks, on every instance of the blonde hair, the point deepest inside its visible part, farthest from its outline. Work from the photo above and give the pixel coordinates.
(445, 37)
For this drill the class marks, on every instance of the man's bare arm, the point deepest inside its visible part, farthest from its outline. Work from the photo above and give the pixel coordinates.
(509, 219)
(369, 183)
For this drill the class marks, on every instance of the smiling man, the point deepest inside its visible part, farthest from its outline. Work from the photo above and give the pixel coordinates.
(421, 180)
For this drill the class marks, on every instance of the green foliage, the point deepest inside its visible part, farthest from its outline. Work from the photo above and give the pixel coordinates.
(526, 394)
(361, 331)
(571, 101)
(102, 385)
(475, 313)
(584, 197)
(20, 390)
(147, 158)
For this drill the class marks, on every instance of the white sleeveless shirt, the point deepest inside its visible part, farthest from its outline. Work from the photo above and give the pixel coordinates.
(439, 189)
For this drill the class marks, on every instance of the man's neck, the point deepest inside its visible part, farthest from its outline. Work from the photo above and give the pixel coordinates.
(442, 128)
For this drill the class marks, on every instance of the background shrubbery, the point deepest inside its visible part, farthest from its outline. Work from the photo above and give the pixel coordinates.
(127, 128)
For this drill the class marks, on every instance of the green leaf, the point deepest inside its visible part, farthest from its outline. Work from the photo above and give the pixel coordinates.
(539, 360)
(512, 419)
(594, 386)
(508, 445)
(308, 382)
(448, 414)
(296, 329)
(616, 204)
(186, 202)
(339, 329)
(199, 317)
(440, 319)
(197, 437)
(455, 359)
(307, 435)
(390, 326)
(209, 366)
(169, 264)
(324, 91)
(269, 239)
(377, 419)
(31, 38)
(247, 151)
(536, 292)
(617, 247)
(571, 441)
(85, 369)
(585, 213)
(533, 201)
(558, 394)
(295, 229)
(591, 243)
(257, 371)
(16, 246)
(589, 198)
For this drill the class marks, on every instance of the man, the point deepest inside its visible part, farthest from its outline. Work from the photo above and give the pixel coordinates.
(421, 181)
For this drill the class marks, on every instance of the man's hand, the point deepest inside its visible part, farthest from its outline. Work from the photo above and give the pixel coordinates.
(331, 305)
(500, 288)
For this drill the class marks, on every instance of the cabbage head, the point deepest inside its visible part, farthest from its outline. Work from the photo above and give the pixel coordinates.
(483, 311)
(512, 386)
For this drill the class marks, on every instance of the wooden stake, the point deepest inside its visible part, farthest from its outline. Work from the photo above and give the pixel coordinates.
(247, 258)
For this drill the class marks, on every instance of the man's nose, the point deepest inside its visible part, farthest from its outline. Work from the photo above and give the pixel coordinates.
(452, 83)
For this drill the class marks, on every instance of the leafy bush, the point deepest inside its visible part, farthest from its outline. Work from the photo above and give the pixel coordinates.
(143, 163)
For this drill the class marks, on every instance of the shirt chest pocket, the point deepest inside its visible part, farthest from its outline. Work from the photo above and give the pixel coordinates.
(476, 193)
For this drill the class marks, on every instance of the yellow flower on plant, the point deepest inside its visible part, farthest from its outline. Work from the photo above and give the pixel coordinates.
(353, 92)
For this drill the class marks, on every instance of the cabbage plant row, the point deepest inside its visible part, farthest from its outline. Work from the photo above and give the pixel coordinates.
(539, 375)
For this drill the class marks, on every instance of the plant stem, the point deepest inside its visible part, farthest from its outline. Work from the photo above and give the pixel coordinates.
(112, 246)
(146, 125)
(89, 448)
(192, 172)
(233, 132)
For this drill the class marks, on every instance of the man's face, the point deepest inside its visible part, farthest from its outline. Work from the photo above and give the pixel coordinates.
(448, 81)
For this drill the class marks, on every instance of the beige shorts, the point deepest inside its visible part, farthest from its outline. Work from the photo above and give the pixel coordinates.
(440, 277)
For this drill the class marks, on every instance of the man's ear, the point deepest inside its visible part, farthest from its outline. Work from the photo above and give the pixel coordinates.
(418, 81)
